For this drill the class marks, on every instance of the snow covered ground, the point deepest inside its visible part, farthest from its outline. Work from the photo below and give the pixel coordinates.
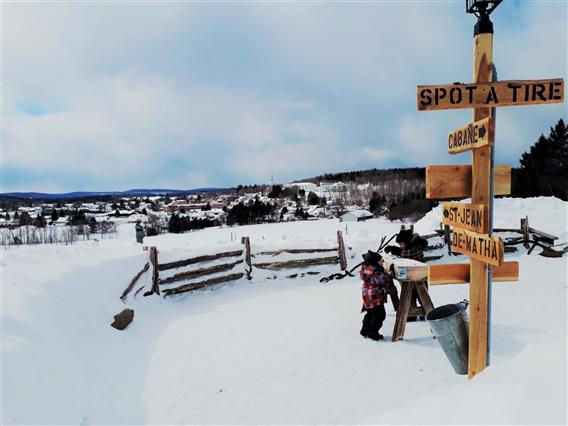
(272, 350)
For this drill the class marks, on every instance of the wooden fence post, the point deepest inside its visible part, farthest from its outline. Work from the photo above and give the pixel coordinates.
(525, 231)
(341, 249)
(248, 260)
(155, 274)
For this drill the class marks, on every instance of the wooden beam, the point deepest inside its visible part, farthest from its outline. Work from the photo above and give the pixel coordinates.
(543, 236)
(200, 272)
(134, 281)
(301, 263)
(481, 193)
(341, 251)
(203, 284)
(199, 259)
(459, 273)
(155, 274)
(484, 95)
(474, 135)
(298, 251)
(467, 216)
(248, 256)
(403, 310)
(444, 182)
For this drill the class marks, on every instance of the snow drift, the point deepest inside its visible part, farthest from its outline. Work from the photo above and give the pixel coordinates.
(272, 350)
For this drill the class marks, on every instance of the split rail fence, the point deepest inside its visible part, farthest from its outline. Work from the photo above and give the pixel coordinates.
(529, 237)
(237, 257)
(209, 275)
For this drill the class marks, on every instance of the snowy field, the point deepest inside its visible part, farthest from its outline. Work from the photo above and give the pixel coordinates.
(273, 350)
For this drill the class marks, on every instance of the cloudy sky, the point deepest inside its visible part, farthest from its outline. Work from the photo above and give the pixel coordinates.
(113, 96)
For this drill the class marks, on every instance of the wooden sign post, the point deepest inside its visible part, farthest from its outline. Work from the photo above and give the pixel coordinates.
(472, 223)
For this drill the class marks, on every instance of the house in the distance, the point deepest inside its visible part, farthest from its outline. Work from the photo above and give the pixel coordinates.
(356, 216)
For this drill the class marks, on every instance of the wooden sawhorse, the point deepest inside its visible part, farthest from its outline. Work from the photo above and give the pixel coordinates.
(405, 309)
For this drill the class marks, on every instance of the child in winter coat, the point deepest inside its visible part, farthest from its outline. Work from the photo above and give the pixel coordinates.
(375, 281)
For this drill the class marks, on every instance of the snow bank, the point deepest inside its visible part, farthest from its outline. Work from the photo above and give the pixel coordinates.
(269, 350)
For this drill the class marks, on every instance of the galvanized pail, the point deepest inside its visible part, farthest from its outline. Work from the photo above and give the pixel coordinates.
(450, 325)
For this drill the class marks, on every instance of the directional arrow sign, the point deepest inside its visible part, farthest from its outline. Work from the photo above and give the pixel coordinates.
(474, 135)
(487, 95)
(479, 246)
(468, 216)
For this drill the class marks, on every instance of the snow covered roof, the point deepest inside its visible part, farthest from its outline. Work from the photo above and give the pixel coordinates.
(360, 213)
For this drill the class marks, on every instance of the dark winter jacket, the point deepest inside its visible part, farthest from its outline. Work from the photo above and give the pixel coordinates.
(415, 246)
(373, 287)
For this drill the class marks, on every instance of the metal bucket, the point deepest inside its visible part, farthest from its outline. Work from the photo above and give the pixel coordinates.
(450, 325)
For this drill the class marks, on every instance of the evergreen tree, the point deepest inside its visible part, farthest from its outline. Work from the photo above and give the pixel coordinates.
(544, 168)
(313, 199)
(275, 192)
(54, 215)
(25, 219)
(174, 224)
(375, 203)
(93, 225)
(78, 218)
(40, 221)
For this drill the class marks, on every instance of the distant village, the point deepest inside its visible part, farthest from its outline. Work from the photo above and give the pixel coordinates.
(35, 221)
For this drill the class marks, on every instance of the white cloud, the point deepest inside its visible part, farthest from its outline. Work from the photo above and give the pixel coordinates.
(128, 104)
(379, 156)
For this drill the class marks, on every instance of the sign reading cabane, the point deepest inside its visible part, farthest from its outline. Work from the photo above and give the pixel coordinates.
(474, 135)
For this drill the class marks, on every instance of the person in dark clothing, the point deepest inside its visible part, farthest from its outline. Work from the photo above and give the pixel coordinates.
(411, 246)
(139, 232)
(373, 288)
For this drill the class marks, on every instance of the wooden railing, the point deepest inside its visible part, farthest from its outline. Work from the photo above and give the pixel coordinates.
(205, 271)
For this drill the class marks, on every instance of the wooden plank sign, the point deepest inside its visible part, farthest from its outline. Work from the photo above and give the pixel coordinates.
(488, 95)
(478, 246)
(456, 181)
(459, 273)
(467, 216)
(474, 135)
